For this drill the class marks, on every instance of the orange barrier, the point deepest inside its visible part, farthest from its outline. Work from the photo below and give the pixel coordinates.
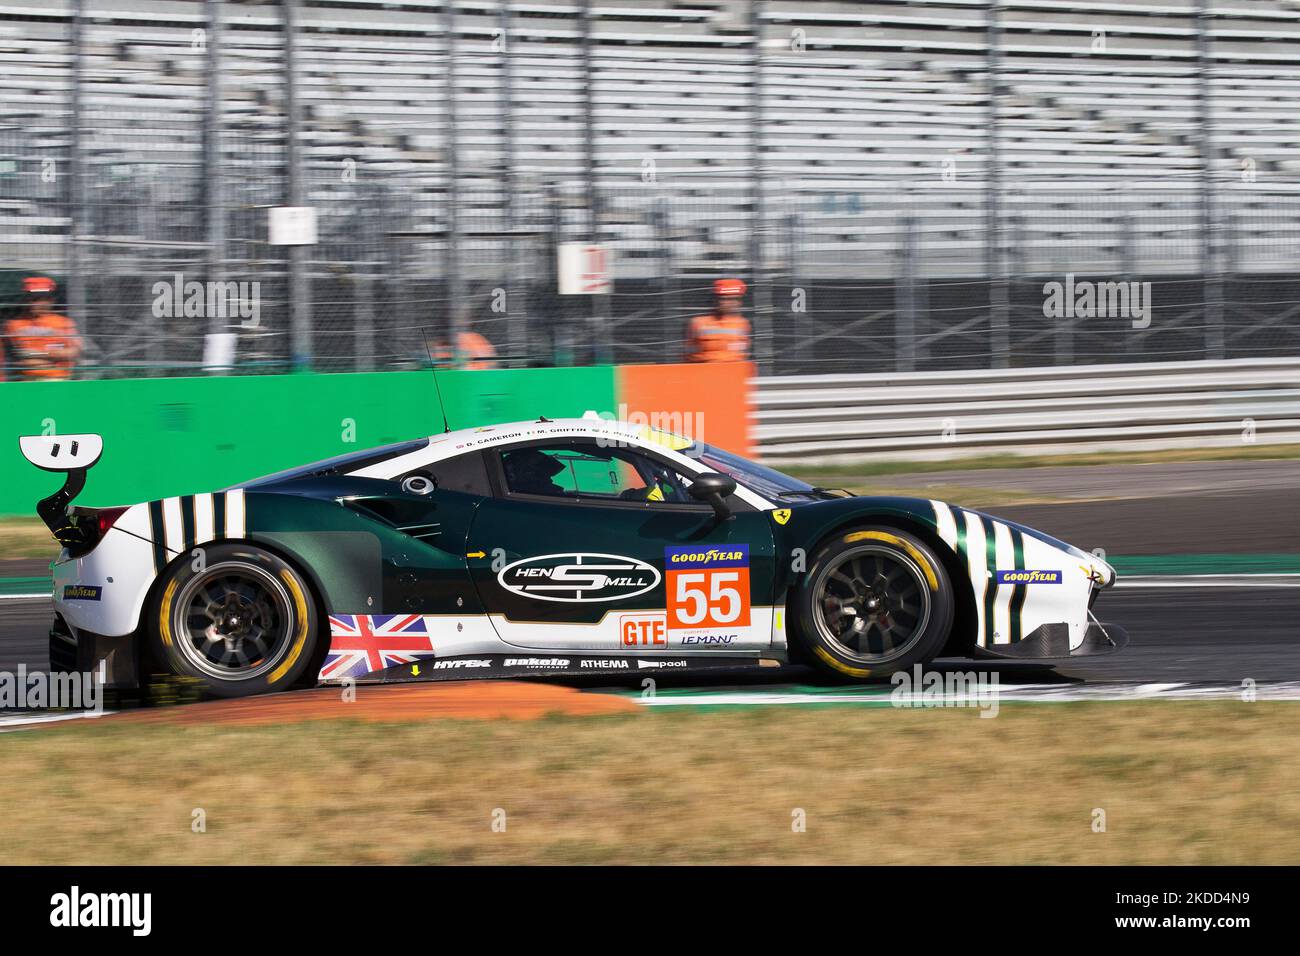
(708, 401)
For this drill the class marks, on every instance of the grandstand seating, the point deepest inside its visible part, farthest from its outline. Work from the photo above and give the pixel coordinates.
(873, 110)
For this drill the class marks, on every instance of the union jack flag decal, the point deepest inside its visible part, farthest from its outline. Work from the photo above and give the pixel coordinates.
(361, 643)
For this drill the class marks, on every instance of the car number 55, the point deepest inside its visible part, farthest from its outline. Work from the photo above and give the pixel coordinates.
(715, 598)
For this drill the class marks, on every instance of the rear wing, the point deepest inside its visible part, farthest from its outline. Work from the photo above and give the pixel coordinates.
(73, 455)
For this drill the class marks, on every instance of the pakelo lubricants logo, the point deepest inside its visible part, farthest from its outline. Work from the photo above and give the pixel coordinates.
(708, 586)
(1029, 577)
(579, 577)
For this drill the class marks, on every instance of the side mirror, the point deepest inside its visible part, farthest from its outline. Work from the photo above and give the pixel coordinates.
(714, 488)
(62, 452)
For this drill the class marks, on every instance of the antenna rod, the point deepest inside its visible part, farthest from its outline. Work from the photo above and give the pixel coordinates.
(424, 334)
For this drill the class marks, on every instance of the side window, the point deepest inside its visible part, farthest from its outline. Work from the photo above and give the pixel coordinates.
(583, 469)
(465, 473)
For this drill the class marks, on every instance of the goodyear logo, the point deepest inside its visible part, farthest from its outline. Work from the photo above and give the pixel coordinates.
(706, 556)
(82, 592)
(1029, 577)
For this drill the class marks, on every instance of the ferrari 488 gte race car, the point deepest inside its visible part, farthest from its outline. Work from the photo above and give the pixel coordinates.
(567, 547)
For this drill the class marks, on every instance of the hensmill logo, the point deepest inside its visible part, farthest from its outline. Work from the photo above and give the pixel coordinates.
(926, 689)
(1098, 300)
(179, 299)
(579, 577)
(77, 909)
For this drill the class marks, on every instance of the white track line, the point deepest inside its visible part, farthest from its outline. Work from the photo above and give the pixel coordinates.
(26, 720)
(1153, 582)
(1004, 693)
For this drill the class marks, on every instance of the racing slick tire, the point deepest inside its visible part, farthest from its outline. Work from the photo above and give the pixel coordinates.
(241, 621)
(875, 600)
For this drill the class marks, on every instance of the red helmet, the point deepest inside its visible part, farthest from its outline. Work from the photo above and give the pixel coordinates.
(728, 287)
(38, 286)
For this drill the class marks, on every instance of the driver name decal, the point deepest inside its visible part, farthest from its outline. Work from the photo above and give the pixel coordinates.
(579, 577)
(708, 586)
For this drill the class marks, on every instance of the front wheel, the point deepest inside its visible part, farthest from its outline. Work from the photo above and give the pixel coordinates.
(874, 601)
(241, 621)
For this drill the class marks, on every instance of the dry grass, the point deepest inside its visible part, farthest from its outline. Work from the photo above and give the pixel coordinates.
(26, 538)
(1181, 783)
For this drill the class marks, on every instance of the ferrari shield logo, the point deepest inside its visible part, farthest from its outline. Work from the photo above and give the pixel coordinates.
(781, 515)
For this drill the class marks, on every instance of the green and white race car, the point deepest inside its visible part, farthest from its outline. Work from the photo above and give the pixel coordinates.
(566, 547)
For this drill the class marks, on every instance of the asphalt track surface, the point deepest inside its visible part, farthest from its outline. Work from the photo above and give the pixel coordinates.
(1093, 482)
(1204, 507)
(1193, 630)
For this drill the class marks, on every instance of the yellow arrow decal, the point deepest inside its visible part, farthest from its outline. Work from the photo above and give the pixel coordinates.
(476, 554)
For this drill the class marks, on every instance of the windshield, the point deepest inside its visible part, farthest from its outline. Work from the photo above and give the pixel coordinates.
(353, 461)
(766, 481)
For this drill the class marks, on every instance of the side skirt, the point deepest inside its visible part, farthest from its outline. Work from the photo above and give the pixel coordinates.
(517, 666)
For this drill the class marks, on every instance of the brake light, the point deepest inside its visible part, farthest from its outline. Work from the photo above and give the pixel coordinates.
(105, 518)
(86, 527)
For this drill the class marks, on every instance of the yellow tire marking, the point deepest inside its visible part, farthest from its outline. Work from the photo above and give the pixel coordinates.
(907, 546)
(164, 614)
(300, 639)
(840, 665)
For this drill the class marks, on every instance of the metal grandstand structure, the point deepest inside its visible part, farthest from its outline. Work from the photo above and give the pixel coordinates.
(897, 179)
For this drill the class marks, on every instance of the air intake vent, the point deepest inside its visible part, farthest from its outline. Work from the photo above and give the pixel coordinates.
(401, 515)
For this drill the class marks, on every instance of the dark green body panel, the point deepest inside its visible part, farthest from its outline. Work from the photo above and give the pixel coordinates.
(508, 529)
(370, 548)
(810, 522)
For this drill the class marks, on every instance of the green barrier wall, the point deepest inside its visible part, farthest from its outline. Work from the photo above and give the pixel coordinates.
(182, 435)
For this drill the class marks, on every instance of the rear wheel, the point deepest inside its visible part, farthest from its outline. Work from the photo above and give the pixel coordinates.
(241, 621)
(874, 601)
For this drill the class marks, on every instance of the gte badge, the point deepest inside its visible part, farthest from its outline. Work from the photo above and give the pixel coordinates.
(1029, 577)
(638, 630)
(579, 577)
(708, 586)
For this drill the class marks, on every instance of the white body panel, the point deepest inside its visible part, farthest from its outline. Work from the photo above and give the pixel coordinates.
(121, 566)
(617, 434)
(645, 629)
(1064, 601)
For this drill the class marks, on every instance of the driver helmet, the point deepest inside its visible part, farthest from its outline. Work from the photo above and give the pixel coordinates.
(530, 470)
